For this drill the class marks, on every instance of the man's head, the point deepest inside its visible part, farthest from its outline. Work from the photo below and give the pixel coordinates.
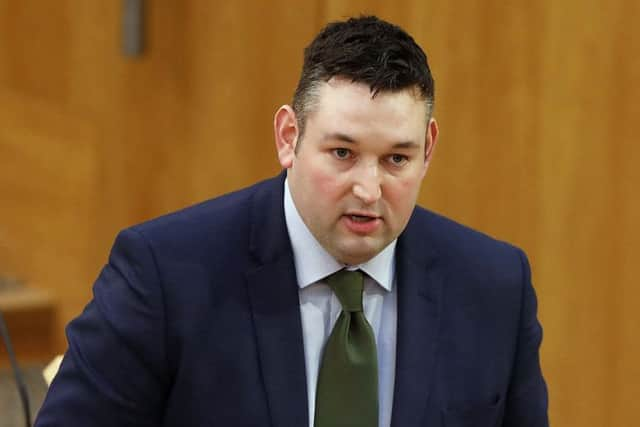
(364, 50)
(363, 109)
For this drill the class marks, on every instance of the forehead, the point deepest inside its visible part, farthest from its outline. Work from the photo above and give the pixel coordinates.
(351, 107)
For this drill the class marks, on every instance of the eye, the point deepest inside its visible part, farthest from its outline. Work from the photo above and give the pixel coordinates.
(342, 153)
(398, 159)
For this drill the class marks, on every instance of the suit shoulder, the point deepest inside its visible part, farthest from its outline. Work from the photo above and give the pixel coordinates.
(219, 216)
(461, 245)
(441, 226)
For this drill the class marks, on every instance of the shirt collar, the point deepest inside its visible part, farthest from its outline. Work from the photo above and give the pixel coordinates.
(313, 263)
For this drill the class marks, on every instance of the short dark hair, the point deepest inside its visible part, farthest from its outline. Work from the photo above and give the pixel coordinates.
(364, 50)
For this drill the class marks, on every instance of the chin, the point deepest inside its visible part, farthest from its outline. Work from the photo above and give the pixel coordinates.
(356, 255)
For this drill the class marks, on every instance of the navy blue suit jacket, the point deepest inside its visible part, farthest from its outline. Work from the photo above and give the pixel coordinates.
(195, 321)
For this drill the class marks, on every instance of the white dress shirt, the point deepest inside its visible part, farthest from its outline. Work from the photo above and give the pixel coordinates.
(320, 308)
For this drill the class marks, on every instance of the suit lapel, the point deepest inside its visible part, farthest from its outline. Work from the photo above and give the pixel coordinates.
(273, 295)
(419, 281)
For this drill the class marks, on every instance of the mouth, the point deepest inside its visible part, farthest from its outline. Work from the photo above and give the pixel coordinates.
(361, 218)
(362, 223)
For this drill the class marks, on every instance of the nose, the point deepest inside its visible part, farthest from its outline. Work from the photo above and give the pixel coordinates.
(367, 183)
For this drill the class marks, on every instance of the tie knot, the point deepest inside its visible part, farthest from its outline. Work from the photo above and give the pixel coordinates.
(348, 286)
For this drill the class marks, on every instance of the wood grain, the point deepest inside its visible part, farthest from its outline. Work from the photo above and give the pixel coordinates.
(537, 105)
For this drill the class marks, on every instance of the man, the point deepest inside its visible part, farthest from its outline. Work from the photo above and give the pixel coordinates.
(322, 297)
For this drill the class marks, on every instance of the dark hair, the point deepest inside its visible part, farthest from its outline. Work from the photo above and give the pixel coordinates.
(364, 50)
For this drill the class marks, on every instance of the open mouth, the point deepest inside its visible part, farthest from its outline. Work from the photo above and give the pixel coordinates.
(360, 218)
(362, 224)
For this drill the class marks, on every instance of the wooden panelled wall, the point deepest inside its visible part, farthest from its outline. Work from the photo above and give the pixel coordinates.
(538, 110)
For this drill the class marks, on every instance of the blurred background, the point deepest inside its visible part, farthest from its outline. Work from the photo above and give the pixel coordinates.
(538, 106)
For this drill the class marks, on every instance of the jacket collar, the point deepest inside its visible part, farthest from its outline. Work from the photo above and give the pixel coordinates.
(273, 296)
(420, 278)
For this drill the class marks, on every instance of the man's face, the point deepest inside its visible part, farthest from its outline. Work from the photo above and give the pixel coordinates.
(357, 172)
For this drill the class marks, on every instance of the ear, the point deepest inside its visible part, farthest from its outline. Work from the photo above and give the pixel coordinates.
(431, 139)
(285, 127)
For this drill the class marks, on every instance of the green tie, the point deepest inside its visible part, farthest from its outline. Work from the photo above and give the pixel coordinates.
(347, 392)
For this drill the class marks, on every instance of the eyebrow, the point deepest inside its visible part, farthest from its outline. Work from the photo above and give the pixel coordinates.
(339, 137)
(346, 138)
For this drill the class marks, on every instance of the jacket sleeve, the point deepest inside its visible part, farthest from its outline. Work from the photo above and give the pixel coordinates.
(527, 400)
(114, 372)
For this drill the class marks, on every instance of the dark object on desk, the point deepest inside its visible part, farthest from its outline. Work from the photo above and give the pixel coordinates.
(29, 313)
(4, 333)
(11, 414)
(22, 389)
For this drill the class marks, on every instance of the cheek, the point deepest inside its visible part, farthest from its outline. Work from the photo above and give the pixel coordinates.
(403, 192)
(412, 181)
(326, 185)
